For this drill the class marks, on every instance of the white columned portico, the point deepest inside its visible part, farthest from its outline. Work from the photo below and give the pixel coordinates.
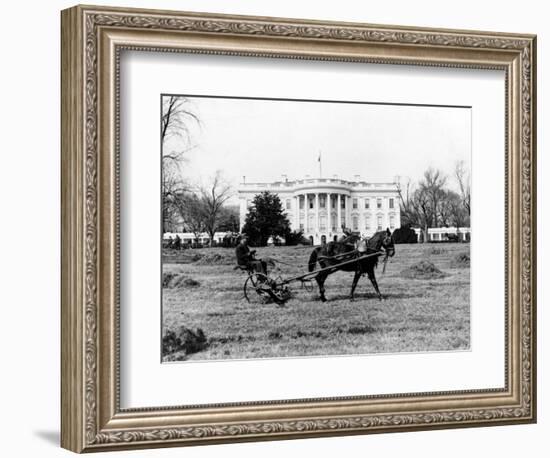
(328, 207)
(306, 219)
(296, 213)
(339, 208)
(348, 212)
(316, 212)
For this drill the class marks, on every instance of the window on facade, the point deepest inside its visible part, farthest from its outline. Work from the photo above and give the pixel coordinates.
(343, 204)
(355, 204)
(301, 203)
(367, 223)
(288, 204)
(391, 202)
(302, 226)
(322, 201)
(367, 204)
(379, 223)
(311, 203)
(378, 203)
(355, 223)
(323, 223)
(392, 222)
(333, 204)
(343, 221)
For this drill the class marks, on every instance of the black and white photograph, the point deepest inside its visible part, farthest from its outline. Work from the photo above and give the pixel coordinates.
(301, 228)
(244, 229)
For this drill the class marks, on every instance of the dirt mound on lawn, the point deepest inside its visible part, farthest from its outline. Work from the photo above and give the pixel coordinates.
(182, 341)
(175, 280)
(423, 270)
(460, 261)
(216, 258)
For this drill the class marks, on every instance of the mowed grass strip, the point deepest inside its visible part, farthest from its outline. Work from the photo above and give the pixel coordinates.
(417, 315)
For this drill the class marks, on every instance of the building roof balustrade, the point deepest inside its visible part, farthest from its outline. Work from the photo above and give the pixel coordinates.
(324, 184)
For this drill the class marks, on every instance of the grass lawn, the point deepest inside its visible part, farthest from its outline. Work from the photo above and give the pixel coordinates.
(416, 315)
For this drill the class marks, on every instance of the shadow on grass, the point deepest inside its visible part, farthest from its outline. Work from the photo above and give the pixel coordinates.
(220, 314)
(230, 339)
(402, 295)
(371, 296)
(354, 330)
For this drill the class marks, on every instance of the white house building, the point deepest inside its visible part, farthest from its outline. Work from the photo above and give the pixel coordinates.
(322, 206)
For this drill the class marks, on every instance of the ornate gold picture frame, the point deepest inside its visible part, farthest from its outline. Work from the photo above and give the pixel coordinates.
(92, 40)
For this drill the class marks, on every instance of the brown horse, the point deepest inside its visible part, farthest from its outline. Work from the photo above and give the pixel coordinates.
(335, 253)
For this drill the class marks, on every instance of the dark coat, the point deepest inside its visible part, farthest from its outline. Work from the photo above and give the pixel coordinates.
(244, 255)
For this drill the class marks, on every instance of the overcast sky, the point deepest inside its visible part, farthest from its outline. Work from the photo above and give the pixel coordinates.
(264, 139)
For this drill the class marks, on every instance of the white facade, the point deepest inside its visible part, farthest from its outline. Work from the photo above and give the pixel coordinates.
(322, 206)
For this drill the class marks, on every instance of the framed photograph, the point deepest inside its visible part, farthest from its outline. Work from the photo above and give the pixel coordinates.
(278, 228)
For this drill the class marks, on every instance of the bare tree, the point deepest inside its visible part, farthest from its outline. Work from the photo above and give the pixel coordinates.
(456, 210)
(190, 208)
(229, 219)
(408, 212)
(433, 184)
(175, 123)
(176, 118)
(422, 206)
(213, 197)
(202, 208)
(432, 204)
(445, 215)
(451, 210)
(463, 178)
(172, 186)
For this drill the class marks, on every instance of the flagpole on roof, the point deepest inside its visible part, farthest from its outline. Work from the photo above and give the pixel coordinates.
(320, 165)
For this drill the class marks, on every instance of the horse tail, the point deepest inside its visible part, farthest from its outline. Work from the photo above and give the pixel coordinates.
(312, 260)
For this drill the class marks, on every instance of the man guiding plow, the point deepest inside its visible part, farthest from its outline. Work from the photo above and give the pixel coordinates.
(246, 257)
